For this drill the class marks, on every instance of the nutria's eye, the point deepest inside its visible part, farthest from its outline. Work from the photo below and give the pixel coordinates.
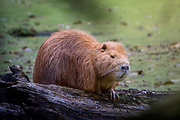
(112, 56)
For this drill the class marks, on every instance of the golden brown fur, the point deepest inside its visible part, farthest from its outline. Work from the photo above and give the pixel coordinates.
(75, 59)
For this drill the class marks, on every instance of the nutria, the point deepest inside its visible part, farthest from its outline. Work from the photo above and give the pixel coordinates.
(75, 59)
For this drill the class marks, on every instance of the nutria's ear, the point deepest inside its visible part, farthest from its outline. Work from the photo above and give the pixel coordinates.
(104, 47)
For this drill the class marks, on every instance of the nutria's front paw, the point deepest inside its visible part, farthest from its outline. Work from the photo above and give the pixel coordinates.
(113, 95)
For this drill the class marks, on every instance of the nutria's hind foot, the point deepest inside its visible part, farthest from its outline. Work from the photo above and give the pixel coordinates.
(112, 94)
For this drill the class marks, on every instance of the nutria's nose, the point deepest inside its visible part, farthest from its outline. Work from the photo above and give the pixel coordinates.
(124, 68)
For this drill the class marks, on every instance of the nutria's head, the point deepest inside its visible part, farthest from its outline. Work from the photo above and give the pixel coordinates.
(112, 61)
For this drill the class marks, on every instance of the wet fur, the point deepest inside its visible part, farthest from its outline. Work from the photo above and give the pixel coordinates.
(75, 59)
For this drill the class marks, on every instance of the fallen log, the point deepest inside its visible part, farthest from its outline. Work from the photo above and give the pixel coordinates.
(21, 99)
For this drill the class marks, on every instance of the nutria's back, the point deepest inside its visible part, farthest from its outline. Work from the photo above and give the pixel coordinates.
(75, 59)
(62, 57)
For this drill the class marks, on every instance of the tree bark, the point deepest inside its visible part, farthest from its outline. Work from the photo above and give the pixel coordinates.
(21, 99)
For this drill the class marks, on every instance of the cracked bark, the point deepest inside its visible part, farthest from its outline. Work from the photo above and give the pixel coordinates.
(21, 99)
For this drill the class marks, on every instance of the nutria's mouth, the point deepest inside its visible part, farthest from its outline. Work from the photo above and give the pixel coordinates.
(122, 75)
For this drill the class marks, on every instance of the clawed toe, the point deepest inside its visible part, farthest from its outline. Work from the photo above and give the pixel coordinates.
(113, 95)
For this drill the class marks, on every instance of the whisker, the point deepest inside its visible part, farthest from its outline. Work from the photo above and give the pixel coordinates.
(105, 72)
(110, 70)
